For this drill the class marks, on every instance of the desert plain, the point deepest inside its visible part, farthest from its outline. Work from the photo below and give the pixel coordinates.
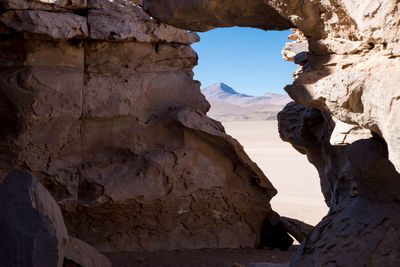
(299, 194)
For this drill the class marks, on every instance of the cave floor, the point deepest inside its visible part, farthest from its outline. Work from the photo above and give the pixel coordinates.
(201, 258)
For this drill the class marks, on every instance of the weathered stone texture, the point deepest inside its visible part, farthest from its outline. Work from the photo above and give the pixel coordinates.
(83, 254)
(352, 49)
(201, 15)
(348, 77)
(101, 106)
(159, 201)
(32, 228)
(103, 109)
(357, 180)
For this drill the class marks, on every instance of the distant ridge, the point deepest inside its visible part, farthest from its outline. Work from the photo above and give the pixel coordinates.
(229, 105)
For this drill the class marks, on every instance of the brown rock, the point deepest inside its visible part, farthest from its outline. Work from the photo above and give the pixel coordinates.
(305, 128)
(355, 177)
(274, 234)
(83, 254)
(113, 127)
(112, 122)
(55, 25)
(200, 15)
(179, 207)
(51, 5)
(32, 228)
(126, 20)
(298, 229)
(353, 47)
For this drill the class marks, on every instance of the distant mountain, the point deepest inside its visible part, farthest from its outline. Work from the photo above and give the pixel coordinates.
(228, 105)
(221, 91)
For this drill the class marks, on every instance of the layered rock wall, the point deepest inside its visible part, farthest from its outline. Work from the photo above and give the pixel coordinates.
(98, 101)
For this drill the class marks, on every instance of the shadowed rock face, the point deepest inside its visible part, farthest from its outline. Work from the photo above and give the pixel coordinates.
(360, 185)
(98, 101)
(348, 75)
(32, 228)
(200, 15)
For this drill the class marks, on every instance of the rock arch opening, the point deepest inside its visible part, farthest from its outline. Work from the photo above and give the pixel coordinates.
(251, 60)
(350, 75)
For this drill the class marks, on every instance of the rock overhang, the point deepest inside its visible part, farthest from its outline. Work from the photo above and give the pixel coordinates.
(202, 15)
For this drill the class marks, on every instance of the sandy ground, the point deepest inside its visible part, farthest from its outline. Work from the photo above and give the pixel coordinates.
(201, 258)
(299, 194)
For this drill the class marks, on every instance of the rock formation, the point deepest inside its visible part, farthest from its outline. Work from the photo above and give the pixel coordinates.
(98, 101)
(80, 253)
(298, 229)
(32, 228)
(33, 231)
(348, 52)
(357, 180)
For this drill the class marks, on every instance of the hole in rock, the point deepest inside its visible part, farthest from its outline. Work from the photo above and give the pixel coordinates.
(243, 75)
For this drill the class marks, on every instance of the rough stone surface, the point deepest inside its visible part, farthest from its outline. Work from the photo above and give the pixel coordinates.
(353, 47)
(201, 15)
(57, 25)
(103, 109)
(32, 228)
(101, 106)
(51, 5)
(170, 206)
(349, 74)
(357, 180)
(83, 254)
(298, 229)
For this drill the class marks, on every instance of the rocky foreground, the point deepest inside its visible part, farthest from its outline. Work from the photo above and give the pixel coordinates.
(98, 102)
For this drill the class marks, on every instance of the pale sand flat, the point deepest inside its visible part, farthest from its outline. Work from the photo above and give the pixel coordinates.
(299, 193)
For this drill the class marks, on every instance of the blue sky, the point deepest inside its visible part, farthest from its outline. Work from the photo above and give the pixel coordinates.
(249, 60)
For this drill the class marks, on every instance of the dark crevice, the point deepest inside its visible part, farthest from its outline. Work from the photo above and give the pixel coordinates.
(371, 45)
(89, 192)
(81, 12)
(274, 235)
(157, 47)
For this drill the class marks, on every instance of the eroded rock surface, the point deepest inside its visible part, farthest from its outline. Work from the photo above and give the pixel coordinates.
(347, 123)
(200, 15)
(98, 101)
(32, 229)
(353, 48)
(357, 180)
(83, 254)
(298, 229)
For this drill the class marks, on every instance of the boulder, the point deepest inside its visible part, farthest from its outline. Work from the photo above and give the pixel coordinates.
(32, 228)
(160, 202)
(83, 254)
(298, 229)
